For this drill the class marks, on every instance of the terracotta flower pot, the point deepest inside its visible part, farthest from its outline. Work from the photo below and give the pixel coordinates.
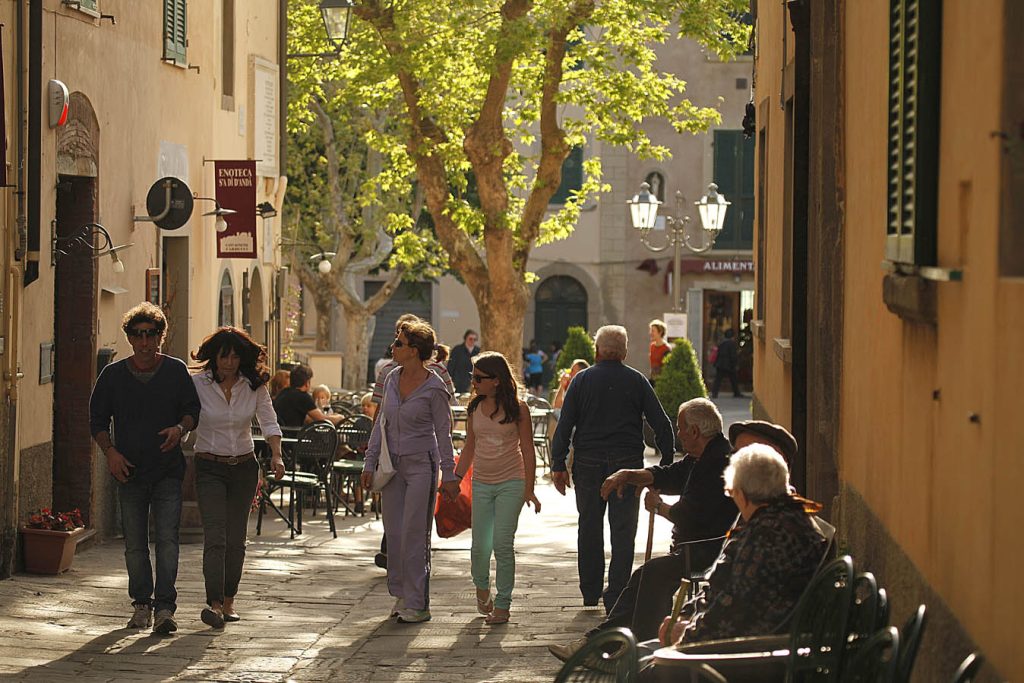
(49, 552)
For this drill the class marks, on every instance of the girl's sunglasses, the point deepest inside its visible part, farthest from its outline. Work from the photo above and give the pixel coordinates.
(479, 378)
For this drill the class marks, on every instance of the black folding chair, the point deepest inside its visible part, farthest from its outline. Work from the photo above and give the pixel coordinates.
(308, 468)
(354, 435)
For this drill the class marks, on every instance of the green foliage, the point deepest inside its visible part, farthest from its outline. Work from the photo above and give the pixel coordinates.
(429, 63)
(578, 344)
(680, 379)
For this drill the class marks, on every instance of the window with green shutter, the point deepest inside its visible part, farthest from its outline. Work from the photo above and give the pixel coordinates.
(734, 175)
(88, 6)
(915, 61)
(175, 33)
(572, 176)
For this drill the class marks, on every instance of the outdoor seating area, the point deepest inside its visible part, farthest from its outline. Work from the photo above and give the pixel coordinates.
(321, 475)
(839, 631)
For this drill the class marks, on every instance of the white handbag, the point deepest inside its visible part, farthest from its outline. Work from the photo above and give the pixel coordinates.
(385, 469)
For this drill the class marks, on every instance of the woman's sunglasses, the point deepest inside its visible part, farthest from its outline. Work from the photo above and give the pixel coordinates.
(137, 333)
(479, 378)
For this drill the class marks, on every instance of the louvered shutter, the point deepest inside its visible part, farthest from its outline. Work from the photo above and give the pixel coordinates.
(572, 176)
(89, 5)
(915, 56)
(175, 33)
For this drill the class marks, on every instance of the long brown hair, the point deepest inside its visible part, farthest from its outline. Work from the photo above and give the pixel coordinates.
(507, 395)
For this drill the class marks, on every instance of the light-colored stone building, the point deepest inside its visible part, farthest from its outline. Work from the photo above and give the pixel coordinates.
(157, 89)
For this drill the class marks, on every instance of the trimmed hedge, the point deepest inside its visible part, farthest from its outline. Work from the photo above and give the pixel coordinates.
(578, 344)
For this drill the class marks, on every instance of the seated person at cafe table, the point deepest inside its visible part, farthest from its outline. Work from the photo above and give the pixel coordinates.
(766, 563)
(295, 406)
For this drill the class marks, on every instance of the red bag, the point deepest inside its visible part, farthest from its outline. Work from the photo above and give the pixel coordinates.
(452, 517)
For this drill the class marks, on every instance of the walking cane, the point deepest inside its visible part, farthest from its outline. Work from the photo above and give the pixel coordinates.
(650, 537)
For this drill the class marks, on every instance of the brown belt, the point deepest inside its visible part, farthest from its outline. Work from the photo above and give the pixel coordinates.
(225, 459)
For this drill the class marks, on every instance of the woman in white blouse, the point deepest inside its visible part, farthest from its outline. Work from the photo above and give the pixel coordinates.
(232, 388)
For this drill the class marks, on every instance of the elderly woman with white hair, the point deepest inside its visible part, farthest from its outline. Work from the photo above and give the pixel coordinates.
(767, 561)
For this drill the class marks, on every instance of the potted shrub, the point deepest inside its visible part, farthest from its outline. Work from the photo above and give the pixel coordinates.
(50, 539)
(578, 344)
(680, 379)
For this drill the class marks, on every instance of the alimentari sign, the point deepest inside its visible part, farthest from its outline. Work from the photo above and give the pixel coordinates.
(699, 265)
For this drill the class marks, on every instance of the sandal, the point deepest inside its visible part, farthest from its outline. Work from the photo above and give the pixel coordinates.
(498, 616)
(485, 607)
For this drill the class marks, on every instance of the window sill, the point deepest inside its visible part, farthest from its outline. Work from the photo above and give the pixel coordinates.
(227, 102)
(757, 328)
(911, 297)
(783, 349)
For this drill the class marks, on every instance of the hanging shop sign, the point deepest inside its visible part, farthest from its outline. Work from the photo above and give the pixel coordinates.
(236, 189)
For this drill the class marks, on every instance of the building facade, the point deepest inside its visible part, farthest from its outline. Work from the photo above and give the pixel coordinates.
(889, 256)
(154, 90)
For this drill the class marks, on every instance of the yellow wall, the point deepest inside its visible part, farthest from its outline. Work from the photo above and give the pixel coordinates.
(943, 486)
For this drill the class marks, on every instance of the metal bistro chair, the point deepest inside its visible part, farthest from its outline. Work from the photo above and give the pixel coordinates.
(307, 472)
(610, 656)
(910, 641)
(541, 444)
(968, 668)
(353, 435)
(875, 662)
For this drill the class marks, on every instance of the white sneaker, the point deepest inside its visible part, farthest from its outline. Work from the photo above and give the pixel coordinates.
(398, 607)
(413, 616)
(142, 617)
(564, 652)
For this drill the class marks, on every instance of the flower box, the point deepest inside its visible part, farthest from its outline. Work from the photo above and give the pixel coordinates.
(49, 552)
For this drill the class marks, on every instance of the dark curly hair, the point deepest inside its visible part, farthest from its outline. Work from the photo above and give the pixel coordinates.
(145, 312)
(252, 356)
(507, 395)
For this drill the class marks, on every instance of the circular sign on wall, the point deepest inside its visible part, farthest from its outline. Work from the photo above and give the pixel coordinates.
(169, 203)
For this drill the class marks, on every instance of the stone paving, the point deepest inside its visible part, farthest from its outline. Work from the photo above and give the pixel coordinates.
(314, 609)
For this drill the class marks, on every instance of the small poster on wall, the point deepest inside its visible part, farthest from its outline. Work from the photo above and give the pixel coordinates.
(153, 285)
(675, 324)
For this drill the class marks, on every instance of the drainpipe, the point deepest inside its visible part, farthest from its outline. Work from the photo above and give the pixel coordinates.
(35, 116)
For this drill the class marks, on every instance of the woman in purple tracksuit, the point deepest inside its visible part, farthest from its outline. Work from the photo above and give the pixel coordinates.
(417, 422)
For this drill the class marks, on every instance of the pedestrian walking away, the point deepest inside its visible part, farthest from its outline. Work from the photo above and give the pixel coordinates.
(152, 402)
(602, 416)
(232, 387)
(417, 427)
(726, 364)
(499, 447)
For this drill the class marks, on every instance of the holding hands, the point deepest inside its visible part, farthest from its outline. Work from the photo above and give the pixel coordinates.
(450, 490)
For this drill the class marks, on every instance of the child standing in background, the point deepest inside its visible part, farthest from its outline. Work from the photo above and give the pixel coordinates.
(499, 447)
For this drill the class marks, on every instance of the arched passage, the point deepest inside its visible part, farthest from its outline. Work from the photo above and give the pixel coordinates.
(257, 308)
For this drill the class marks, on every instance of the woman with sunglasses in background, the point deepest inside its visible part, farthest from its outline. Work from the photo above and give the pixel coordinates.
(499, 442)
(232, 386)
(416, 422)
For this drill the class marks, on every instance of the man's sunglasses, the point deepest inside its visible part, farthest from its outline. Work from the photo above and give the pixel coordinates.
(479, 378)
(137, 333)
(397, 344)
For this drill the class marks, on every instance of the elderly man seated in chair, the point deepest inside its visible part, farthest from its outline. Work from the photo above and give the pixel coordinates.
(766, 563)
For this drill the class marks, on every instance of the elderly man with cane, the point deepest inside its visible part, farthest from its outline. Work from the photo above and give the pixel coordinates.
(603, 415)
(703, 513)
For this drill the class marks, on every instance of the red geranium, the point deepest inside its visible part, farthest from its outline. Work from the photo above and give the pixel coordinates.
(60, 521)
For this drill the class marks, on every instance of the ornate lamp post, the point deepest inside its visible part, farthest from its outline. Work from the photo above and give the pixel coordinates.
(643, 210)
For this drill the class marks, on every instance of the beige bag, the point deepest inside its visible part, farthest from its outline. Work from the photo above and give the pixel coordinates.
(385, 469)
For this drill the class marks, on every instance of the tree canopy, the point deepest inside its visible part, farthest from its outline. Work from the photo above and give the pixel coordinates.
(493, 96)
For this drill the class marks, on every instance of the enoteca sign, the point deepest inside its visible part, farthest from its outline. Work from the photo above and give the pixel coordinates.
(236, 189)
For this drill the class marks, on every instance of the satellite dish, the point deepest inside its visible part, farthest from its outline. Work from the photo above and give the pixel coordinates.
(169, 203)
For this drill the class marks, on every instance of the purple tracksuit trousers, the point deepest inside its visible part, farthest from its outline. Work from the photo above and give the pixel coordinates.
(408, 501)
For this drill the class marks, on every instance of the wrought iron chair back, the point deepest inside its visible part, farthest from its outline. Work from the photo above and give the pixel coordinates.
(608, 657)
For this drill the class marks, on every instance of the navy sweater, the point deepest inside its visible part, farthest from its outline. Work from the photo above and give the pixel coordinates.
(606, 404)
(139, 411)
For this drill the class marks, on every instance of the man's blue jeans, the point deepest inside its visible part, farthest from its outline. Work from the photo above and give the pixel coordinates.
(162, 499)
(589, 472)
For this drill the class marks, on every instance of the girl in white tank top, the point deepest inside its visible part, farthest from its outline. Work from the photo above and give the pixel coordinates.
(499, 447)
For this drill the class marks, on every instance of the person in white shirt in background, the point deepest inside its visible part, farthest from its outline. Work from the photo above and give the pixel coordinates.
(232, 388)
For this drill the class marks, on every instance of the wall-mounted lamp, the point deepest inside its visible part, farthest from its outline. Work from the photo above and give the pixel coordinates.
(321, 259)
(221, 223)
(266, 210)
(85, 236)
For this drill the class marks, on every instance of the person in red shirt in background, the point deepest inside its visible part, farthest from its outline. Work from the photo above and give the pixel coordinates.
(659, 347)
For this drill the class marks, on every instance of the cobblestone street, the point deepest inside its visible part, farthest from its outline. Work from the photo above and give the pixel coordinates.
(313, 609)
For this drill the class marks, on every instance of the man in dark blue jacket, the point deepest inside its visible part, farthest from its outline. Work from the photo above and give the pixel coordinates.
(152, 402)
(603, 416)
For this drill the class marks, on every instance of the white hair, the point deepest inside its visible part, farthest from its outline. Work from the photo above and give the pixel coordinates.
(759, 471)
(702, 414)
(612, 341)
